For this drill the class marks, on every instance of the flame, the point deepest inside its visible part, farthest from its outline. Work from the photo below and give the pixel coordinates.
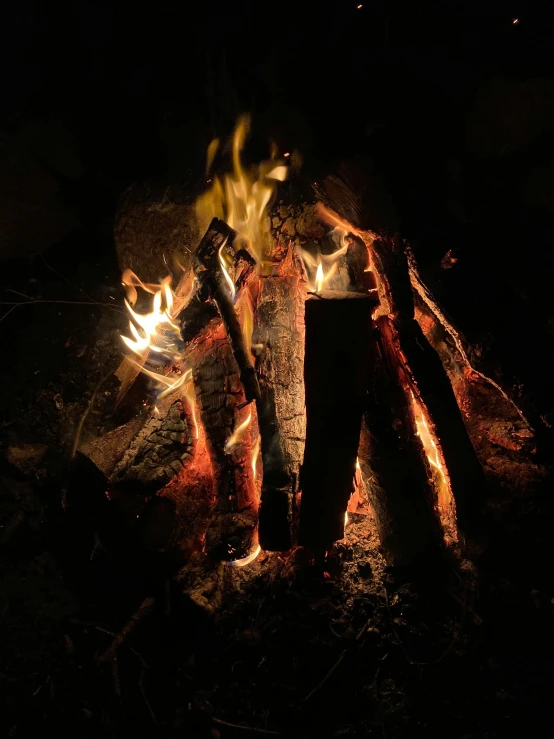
(237, 434)
(228, 280)
(156, 330)
(244, 304)
(431, 451)
(319, 277)
(245, 560)
(242, 197)
(326, 264)
(255, 452)
(190, 397)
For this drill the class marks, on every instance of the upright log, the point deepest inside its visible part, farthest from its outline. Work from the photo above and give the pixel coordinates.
(336, 371)
(279, 331)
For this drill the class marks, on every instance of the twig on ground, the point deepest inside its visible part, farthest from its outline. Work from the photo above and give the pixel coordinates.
(250, 729)
(145, 608)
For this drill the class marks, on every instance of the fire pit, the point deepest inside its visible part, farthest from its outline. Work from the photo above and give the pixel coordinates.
(287, 382)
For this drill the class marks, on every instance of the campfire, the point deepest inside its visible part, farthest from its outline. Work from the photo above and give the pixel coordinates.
(287, 380)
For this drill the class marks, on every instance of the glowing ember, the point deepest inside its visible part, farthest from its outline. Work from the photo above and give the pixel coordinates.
(237, 434)
(241, 198)
(245, 560)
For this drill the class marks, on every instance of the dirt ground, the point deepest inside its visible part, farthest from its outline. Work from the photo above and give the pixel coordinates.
(282, 648)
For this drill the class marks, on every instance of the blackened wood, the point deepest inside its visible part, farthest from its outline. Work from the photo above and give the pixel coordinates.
(218, 235)
(336, 371)
(158, 453)
(399, 485)
(279, 330)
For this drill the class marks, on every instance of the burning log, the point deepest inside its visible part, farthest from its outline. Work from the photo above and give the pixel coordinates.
(336, 370)
(391, 457)
(219, 284)
(233, 523)
(430, 384)
(160, 450)
(279, 329)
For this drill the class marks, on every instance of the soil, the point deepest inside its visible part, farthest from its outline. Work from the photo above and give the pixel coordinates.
(278, 648)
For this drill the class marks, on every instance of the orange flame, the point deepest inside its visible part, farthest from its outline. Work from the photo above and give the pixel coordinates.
(242, 197)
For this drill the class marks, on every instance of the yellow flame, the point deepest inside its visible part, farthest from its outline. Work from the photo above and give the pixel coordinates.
(151, 331)
(319, 278)
(245, 560)
(237, 434)
(431, 451)
(242, 197)
(228, 279)
(325, 265)
(244, 304)
(255, 452)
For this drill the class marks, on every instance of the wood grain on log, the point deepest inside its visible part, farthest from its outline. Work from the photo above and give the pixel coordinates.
(279, 330)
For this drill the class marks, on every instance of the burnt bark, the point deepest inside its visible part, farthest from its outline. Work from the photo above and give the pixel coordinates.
(336, 371)
(159, 451)
(279, 330)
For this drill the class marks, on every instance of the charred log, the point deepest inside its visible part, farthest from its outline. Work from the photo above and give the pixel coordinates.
(430, 384)
(279, 330)
(400, 489)
(336, 370)
(216, 237)
(158, 452)
(219, 392)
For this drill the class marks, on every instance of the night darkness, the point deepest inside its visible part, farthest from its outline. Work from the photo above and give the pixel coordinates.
(448, 109)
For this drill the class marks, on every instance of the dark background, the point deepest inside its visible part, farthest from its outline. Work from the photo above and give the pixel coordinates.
(448, 107)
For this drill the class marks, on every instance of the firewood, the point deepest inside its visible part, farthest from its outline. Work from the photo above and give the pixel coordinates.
(219, 393)
(160, 450)
(392, 460)
(430, 384)
(336, 371)
(218, 235)
(279, 330)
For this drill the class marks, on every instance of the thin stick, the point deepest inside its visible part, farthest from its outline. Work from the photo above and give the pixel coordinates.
(36, 301)
(145, 607)
(327, 676)
(252, 730)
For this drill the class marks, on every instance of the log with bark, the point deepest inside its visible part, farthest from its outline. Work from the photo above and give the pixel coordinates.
(279, 332)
